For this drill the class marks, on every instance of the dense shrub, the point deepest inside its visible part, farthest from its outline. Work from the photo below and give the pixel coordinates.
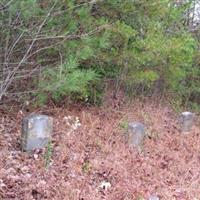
(144, 45)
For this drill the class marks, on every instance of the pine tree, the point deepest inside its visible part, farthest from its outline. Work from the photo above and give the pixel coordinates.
(138, 43)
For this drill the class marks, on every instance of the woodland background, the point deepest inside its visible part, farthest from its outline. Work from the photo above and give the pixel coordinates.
(75, 49)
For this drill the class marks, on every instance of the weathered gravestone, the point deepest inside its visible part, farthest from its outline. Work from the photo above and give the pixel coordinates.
(136, 134)
(186, 121)
(36, 131)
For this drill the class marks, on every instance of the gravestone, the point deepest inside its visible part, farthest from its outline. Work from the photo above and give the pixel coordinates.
(186, 121)
(136, 134)
(36, 131)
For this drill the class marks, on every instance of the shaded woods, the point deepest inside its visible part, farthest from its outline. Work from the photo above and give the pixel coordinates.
(55, 50)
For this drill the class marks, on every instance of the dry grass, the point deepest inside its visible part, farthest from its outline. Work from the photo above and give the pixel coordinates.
(169, 165)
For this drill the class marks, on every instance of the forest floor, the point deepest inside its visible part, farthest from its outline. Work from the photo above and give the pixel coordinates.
(90, 160)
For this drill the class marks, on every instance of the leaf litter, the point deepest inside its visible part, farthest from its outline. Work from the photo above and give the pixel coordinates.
(94, 162)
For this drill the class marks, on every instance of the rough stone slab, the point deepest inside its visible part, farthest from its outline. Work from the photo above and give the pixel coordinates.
(186, 121)
(36, 131)
(136, 134)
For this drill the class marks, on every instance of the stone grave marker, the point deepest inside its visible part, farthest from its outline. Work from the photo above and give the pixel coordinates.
(136, 134)
(186, 121)
(36, 131)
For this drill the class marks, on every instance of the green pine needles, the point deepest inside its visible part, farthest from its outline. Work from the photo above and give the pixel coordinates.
(145, 46)
(67, 80)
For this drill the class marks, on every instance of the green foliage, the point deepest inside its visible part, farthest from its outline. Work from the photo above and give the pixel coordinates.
(28, 9)
(48, 154)
(160, 53)
(68, 79)
(137, 43)
(86, 167)
(161, 56)
(124, 125)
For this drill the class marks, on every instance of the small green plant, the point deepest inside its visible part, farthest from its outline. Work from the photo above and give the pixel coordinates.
(86, 167)
(124, 124)
(176, 104)
(48, 154)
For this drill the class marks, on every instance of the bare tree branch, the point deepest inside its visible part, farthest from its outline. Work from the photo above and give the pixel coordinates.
(10, 77)
(68, 37)
(6, 5)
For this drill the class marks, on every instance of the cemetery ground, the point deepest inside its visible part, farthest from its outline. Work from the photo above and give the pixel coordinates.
(88, 158)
